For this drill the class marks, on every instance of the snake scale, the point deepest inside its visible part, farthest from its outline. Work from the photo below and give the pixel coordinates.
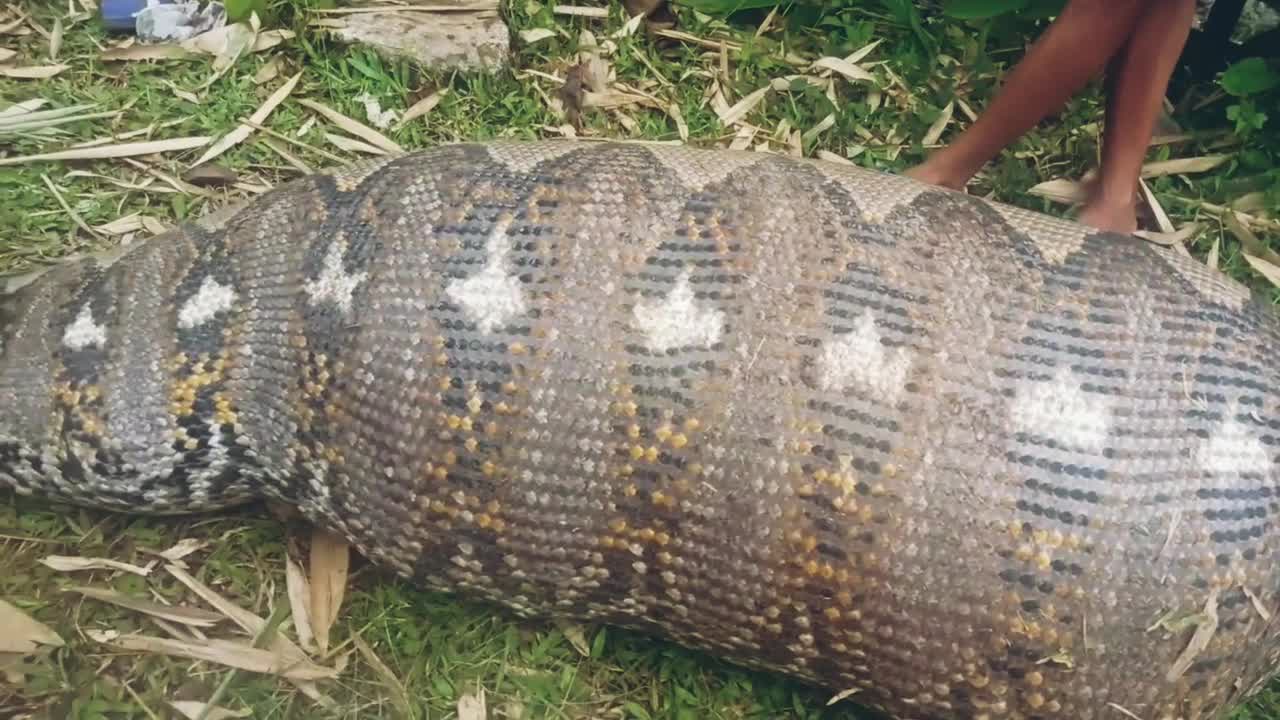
(970, 460)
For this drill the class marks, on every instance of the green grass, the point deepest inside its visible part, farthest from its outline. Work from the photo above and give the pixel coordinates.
(441, 648)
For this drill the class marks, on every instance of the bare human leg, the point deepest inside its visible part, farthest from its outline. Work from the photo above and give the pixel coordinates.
(1074, 50)
(1136, 86)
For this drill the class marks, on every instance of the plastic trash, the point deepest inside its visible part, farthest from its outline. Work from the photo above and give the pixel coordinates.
(156, 21)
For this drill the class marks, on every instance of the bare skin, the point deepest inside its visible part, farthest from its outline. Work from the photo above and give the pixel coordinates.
(1138, 42)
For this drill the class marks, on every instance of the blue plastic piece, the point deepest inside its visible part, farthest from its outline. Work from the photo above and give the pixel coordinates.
(118, 15)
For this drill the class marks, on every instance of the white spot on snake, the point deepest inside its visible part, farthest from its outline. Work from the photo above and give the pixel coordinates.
(491, 297)
(861, 357)
(334, 284)
(83, 332)
(1058, 408)
(677, 321)
(212, 298)
(1233, 449)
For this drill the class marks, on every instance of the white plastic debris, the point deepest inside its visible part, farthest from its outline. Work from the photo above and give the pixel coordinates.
(178, 21)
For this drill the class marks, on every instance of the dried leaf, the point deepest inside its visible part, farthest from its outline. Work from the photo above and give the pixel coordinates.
(845, 68)
(24, 634)
(32, 72)
(184, 615)
(1264, 268)
(832, 157)
(121, 226)
(68, 563)
(1183, 165)
(399, 695)
(330, 557)
(422, 107)
(682, 127)
(353, 127)
(535, 35)
(183, 548)
(939, 125)
(223, 652)
(55, 39)
(1212, 259)
(193, 710)
(268, 72)
(740, 109)
(134, 53)
(1170, 239)
(7, 54)
(259, 116)
(114, 151)
(1067, 192)
(823, 125)
(351, 145)
(581, 11)
(299, 591)
(1200, 639)
(472, 706)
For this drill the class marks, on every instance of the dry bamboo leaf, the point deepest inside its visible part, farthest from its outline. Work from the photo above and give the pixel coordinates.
(535, 35)
(121, 226)
(936, 129)
(422, 107)
(69, 563)
(1183, 165)
(154, 226)
(1269, 271)
(193, 710)
(1172, 238)
(259, 116)
(32, 72)
(845, 68)
(740, 109)
(7, 54)
(183, 615)
(299, 591)
(330, 557)
(1248, 241)
(55, 40)
(581, 11)
(682, 128)
(1199, 640)
(24, 634)
(268, 72)
(223, 652)
(251, 624)
(399, 695)
(832, 157)
(861, 52)
(471, 706)
(182, 548)
(290, 158)
(1258, 607)
(350, 145)
(823, 125)
(136, 53)
(1212, 259)
(353, 127)
(742, 139)
(1062, 190)
(114, 151)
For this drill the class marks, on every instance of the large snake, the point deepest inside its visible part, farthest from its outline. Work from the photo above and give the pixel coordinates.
(971, 460)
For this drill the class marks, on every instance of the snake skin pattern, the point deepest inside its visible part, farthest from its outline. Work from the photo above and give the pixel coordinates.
(972, 460)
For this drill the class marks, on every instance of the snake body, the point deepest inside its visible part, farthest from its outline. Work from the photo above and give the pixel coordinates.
(970, 460)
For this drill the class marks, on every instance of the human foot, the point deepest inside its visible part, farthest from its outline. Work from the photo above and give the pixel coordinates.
(933, 173)
(1110, 217)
